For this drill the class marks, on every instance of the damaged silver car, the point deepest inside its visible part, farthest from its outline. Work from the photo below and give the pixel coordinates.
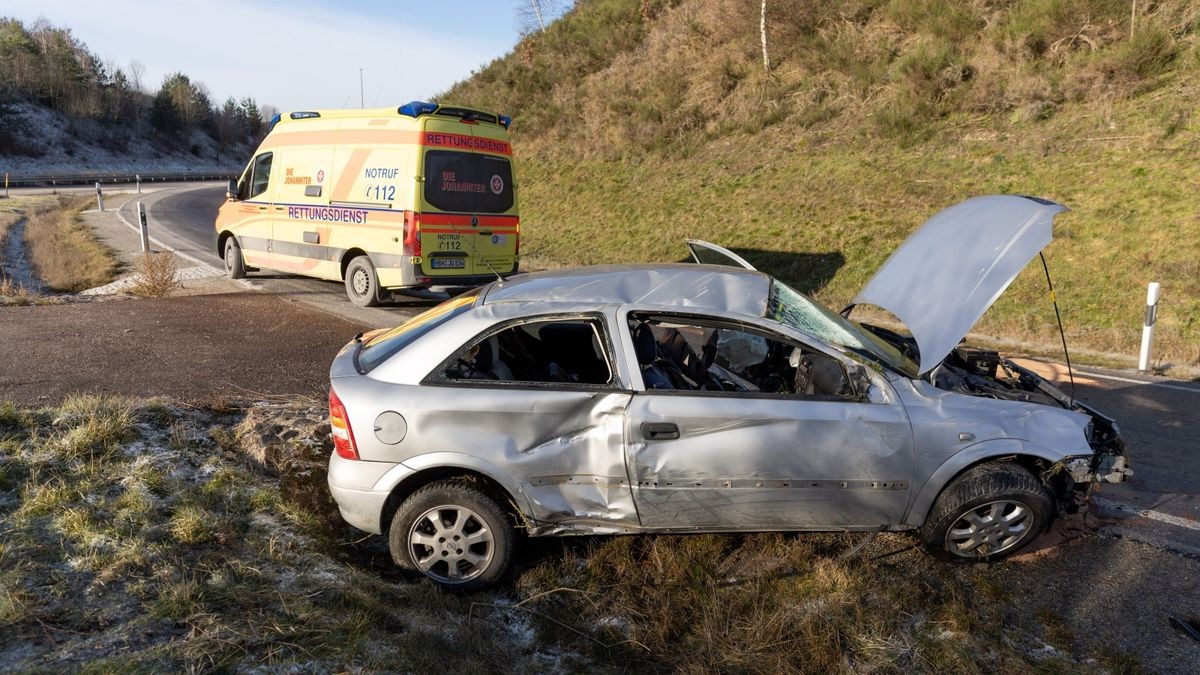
(714, 398)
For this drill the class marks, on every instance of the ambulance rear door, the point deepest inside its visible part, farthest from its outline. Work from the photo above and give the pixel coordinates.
(469, 225)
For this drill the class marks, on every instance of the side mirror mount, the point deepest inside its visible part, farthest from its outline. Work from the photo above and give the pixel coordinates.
(231, 190)
(859, 384)
(821, 375)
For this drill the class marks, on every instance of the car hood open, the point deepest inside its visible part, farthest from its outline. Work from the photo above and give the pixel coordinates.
(947, 273)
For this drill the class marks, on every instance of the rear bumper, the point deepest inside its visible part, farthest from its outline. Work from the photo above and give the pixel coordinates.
(360, 508)
(352, 484)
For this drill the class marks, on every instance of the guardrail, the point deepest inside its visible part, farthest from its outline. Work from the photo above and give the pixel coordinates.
(17, 180)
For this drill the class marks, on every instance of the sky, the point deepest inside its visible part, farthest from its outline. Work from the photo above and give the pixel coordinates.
(294, 55)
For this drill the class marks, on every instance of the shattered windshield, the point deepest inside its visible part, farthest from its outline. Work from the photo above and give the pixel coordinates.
(792, 308)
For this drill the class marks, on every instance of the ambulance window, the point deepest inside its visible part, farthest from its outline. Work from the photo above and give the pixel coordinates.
(262, 175)
(468, 182)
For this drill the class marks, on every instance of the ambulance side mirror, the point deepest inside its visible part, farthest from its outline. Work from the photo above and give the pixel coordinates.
(231, 190)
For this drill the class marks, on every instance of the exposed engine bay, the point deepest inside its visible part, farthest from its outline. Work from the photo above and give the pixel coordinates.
(984, 373)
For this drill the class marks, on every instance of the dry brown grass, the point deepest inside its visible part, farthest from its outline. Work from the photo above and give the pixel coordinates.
(64, 251)
(770, 603)
(7, 218)
(607, 81)
(12, 293)
(156, 275)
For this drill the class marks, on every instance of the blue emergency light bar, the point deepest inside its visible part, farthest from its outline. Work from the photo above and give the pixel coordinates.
(417, 108)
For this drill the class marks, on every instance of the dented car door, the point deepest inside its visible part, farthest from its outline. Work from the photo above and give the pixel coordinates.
(730, 462)
(563, 447)
(727, 459)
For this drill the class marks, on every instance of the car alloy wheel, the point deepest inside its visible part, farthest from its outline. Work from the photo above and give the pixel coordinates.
(989, 529)
(451, 544)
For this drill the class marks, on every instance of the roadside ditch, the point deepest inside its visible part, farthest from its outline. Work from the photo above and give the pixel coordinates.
(16, 269)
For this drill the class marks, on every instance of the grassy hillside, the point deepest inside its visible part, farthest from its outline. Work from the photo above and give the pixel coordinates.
(640, 123)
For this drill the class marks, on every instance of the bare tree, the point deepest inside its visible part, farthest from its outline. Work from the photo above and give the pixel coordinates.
(533, 14)
(762, 29)
(137, 73)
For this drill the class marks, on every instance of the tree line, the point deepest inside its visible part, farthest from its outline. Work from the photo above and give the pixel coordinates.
(50, 66)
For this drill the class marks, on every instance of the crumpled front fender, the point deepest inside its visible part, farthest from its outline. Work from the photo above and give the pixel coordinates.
(996, 448)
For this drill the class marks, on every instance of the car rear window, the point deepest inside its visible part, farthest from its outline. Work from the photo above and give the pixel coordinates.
(383, 346)
(468, 182)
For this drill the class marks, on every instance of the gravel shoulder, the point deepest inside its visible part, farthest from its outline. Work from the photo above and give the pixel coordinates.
(189, 348)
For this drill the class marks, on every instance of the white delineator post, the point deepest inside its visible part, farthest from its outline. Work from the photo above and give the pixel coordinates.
(99, 197)
(1152, 295)
(138, 177)
(145, 231)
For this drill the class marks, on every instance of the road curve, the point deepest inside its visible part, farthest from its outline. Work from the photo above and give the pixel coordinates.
(183, 218)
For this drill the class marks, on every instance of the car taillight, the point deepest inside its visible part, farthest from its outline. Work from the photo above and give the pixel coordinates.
(339, 424)
(412, 234)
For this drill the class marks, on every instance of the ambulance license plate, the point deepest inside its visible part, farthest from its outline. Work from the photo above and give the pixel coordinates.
(448, 263)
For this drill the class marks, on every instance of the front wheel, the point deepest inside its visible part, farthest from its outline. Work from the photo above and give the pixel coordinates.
(235, 266)
(454, 534)
(989, 512)
(362, 284)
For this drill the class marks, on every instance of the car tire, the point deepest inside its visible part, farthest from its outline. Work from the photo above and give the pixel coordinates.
(362, 284)
(454, 534)
(989, 512)
(235, 265)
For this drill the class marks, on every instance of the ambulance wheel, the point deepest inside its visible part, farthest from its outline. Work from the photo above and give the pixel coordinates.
(235, 267)
(362, 284)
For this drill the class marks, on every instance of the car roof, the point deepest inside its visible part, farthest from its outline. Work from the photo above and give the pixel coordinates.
(668, 286)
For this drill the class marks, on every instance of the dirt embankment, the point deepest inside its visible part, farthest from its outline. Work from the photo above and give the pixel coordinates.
(190, 348)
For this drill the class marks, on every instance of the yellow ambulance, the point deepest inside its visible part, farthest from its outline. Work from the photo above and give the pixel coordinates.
(401, 199)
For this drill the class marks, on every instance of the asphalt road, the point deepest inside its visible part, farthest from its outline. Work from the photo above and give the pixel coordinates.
(1159, 418)
(182, 220)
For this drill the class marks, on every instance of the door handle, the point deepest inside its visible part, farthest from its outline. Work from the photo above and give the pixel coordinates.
(262, 208)
(660, 431)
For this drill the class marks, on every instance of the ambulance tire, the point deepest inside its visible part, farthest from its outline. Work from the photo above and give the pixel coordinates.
(362, 284)
(235, 266)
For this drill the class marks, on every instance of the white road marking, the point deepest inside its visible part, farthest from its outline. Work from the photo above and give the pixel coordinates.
(244, 283)
(1058, 375)
(1161, 517)
(159, 243)
(1163, 385)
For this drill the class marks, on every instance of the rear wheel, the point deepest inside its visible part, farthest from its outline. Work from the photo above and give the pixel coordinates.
(989, 512)
(362, 284)
(454, 534)
(235, 266)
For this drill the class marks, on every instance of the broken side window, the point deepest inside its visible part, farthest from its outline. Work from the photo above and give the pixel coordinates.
(694, 354)
(542, 352)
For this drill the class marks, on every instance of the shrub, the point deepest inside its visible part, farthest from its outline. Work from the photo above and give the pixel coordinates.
(157, 275)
